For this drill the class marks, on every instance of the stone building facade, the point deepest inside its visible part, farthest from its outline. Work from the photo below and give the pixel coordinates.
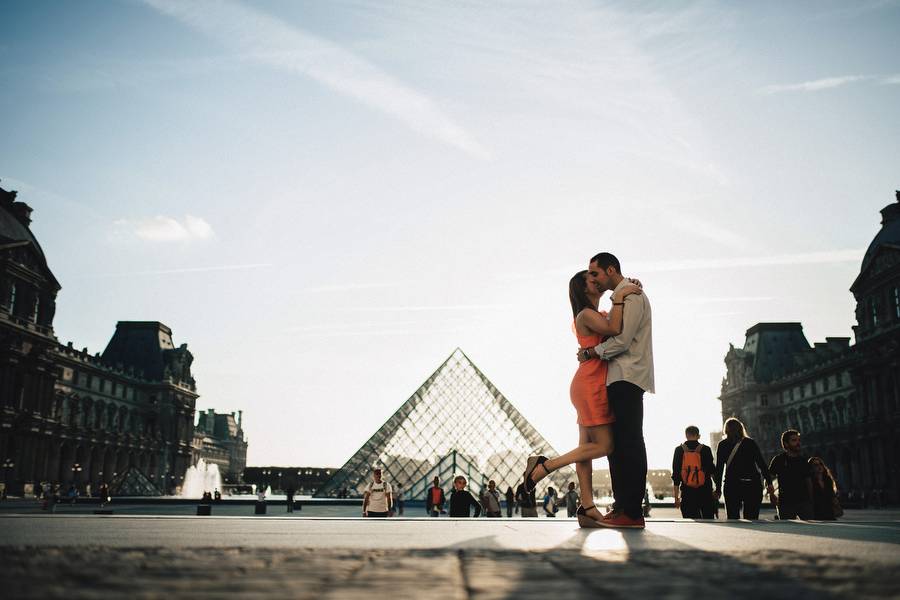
(219, 439)
(67, 416)
(844, 399)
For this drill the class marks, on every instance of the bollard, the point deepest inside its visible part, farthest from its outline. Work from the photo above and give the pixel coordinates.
(260, 508)
(103, 511)
(204, 510)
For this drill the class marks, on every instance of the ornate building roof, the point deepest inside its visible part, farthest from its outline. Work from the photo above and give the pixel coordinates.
(888, 236)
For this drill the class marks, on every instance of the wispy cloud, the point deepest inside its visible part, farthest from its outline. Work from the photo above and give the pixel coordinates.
(446, 307)
(814, 85)
(828, 83)
(207, 269)
(703, 228)
(166, 229)
(352, 287)
(275, 43)
(803, 258)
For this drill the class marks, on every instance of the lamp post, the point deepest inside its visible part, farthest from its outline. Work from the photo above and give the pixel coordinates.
(8, 465)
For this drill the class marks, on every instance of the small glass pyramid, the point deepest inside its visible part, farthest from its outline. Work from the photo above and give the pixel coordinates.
(456, 423)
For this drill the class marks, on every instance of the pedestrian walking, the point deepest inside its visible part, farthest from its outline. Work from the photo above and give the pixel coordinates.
(377, 500)
(826, 505)
(792, 471)
(434, 499)
(398, 499)
(571, 500)
(104, 494)
(692, 475)
(461, 500)
(740, 462)
(289, 495)
(490, 500)
(510, 501)
(550, 501)
(526, 501)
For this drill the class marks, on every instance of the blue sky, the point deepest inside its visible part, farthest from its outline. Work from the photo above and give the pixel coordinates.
(325, 199)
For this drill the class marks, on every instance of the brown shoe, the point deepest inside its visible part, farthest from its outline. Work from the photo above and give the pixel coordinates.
(619, 520)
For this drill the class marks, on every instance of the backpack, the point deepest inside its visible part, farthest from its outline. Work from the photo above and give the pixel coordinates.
(692, 473)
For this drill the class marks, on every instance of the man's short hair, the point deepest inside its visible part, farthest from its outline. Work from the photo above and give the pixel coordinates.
(788, 435)
(458, 477)
(692, 430)
(606, 260)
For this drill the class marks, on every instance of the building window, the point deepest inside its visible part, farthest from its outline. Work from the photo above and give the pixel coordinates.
(12, 299)
(897, 302)
(36, 309)
(873, 310)
(763, 399)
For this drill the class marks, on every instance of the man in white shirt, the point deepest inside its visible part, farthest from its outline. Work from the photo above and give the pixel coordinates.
(377, 501)
(630, 374)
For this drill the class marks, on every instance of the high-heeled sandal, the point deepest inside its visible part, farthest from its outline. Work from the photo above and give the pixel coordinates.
(530, 466)
(584, 520)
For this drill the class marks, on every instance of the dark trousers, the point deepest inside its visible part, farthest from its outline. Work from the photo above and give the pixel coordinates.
(743, 493)
(628, 462)
(794, 509)
(697, 503)
(509, 508)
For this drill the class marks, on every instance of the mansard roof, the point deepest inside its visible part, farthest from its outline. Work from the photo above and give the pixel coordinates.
(147, 347)
(775, 348)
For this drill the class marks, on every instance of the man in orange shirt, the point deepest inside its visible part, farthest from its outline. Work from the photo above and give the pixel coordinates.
(434, 499)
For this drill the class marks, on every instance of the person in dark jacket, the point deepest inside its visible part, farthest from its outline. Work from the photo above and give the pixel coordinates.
(461, 500)
(526, 501)
(695, 502)
(739, 460)
(793, 472)
(434, 499)
(510, 501)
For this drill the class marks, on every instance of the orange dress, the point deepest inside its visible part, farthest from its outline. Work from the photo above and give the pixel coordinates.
(588, 389)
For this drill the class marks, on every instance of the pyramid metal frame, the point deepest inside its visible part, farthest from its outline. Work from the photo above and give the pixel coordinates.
(456, 422)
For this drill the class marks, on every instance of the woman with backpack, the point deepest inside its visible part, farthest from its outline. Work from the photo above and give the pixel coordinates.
(740, 461)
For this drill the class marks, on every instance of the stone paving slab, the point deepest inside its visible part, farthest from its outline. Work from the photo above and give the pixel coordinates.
(54, 556)
(97, 572)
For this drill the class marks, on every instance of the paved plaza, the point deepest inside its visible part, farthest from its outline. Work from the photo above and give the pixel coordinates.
(153, 556)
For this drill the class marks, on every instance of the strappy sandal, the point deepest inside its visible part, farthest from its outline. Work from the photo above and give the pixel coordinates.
(530, 466)
(584, 520)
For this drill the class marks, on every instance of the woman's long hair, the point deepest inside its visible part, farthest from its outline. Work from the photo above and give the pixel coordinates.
(734, 429)
(827, 476)
(578, 293)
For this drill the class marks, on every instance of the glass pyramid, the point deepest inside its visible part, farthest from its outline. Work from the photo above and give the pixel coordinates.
(456, 423)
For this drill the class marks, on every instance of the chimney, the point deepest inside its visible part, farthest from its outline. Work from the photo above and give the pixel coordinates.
(240, 416)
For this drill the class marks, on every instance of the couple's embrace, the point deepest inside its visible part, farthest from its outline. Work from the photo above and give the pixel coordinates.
(615, 368)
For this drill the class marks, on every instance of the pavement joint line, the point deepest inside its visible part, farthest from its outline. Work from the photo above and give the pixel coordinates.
(542, 522)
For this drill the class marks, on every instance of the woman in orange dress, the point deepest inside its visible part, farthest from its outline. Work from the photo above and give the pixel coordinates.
(588, 393)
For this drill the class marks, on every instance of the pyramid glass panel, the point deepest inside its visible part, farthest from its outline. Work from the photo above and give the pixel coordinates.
(456, 423)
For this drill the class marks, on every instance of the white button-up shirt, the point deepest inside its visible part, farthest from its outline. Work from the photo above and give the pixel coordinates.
(630, 354)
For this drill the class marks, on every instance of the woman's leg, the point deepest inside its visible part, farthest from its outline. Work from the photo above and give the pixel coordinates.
(593, 442)
(732, 500)
(752, 500)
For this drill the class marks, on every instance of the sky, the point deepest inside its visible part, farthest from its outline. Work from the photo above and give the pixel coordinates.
(323, 200)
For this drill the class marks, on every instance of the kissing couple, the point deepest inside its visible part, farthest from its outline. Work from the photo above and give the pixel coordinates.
(615, 356)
